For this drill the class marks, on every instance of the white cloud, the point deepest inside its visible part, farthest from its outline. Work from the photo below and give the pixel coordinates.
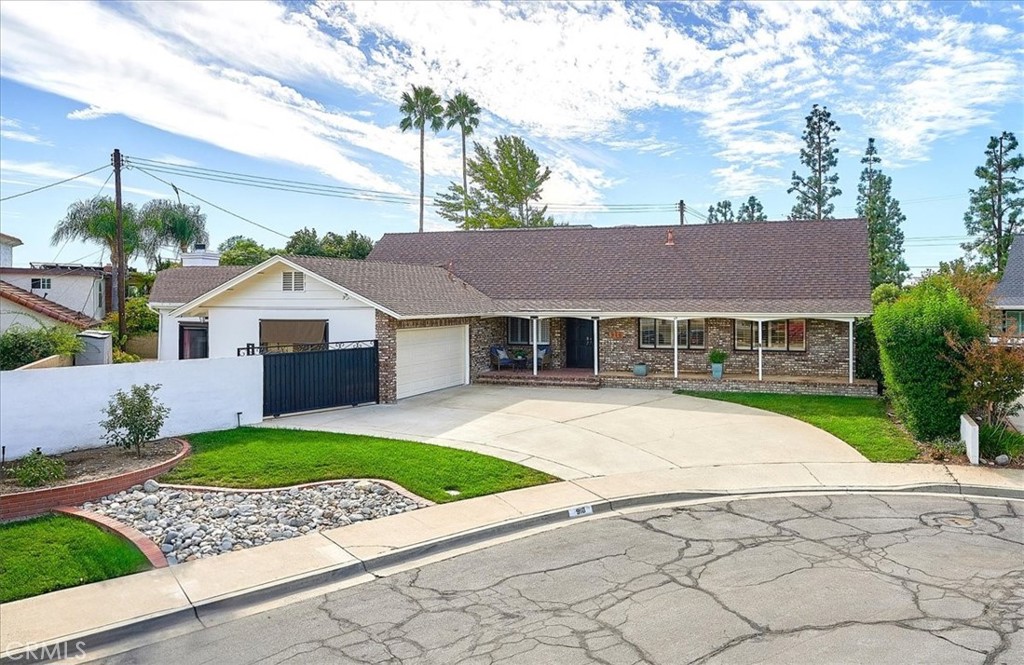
(14, 130)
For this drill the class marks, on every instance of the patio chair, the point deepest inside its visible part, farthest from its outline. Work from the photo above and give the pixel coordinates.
(499, 357)
(544, 357)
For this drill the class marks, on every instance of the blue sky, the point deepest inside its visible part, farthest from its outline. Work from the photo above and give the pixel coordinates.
(627, 103)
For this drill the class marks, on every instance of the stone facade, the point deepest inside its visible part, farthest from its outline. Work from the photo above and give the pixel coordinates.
(827, 351)
(557, 341)
(861, 388)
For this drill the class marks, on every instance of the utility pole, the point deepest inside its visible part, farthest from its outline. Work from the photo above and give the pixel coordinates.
(120, 270)
(682, 212)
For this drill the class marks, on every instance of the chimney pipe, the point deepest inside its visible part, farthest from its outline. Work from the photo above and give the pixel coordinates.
(670, 239)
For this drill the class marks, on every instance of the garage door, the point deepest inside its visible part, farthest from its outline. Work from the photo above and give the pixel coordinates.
(431, 359)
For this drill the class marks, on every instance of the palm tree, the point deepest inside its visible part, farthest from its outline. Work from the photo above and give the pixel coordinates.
(175, 225)
(419, 109)
(462, 110)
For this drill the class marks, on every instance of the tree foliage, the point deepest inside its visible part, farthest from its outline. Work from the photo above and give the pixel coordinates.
(178, 226)
(922, 377)
(243, 252)
(134, 417)
(991, 377)
(751, 210)
(21, 345)
(462, 111)
(996, 206)
(139, 319)
(421, 109)
(305, 242)
(721, 213)
(504, 182)
(816, 190)
(876, 204)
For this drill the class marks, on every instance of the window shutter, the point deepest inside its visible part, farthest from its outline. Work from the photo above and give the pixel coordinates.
(286, 281)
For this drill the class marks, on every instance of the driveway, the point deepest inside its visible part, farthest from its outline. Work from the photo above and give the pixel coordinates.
(577, 433)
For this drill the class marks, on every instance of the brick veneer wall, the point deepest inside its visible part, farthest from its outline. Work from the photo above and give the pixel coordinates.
(34, 502)
(482, 334)
(827, 351)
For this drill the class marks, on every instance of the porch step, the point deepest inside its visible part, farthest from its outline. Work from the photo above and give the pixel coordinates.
(510, 379)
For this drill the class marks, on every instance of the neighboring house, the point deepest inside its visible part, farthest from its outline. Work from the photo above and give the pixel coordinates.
(7, 245)
(780, 297)
(1008, 297)
(75, 287)
(31, 310)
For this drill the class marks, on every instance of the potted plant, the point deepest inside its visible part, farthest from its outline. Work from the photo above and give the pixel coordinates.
(717, 358)
(640, 369)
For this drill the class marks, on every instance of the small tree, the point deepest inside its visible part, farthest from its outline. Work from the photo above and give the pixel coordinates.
(751, 211)
(721, 213)
(992, 377)
(133, 418)
(816, 190)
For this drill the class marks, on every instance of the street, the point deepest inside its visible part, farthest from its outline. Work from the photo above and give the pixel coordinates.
(806, 579)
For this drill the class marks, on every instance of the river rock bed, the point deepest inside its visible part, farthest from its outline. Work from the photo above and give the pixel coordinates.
(189, 524)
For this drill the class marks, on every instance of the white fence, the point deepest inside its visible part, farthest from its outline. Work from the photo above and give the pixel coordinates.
(969, 437)
(60, 409)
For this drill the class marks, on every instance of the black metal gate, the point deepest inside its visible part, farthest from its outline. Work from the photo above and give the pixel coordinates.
(304, 377)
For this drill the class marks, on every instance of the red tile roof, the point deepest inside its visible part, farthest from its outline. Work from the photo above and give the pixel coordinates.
(47, 308)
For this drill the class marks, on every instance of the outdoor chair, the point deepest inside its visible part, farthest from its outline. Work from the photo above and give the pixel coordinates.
(544, 357)
(499, 357)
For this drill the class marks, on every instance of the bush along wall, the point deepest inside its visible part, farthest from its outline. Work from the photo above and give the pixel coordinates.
(921, 380)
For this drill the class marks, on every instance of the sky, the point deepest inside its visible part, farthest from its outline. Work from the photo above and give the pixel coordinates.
(627, 103)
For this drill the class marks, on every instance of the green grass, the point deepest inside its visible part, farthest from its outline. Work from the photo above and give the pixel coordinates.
(56, 552)
(256, 457)
(861, 422)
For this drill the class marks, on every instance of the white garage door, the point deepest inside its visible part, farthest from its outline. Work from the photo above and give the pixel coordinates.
(431, 359)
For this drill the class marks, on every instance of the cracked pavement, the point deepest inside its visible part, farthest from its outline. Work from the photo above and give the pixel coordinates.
(822, 579)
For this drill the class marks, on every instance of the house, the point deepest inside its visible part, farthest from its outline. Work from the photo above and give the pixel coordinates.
(1008, 296)
(31, 310)
(780, 297)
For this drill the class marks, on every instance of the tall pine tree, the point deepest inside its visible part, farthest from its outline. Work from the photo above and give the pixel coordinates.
(996, 206)
(876, 204)
(819, 187)
(751, 211)
(721, 213)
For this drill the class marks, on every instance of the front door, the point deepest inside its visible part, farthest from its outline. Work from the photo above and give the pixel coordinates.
(579, 343)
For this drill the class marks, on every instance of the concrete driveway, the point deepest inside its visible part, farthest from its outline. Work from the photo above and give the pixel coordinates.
(576, 433)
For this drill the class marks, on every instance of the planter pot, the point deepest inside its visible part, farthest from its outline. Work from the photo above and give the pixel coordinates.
(640, 369)
(716, 370)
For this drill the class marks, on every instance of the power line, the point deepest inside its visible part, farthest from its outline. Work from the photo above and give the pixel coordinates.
(54, 184)
(212, 205)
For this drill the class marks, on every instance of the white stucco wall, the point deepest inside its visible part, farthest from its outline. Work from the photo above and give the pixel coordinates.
(6, 256)
(60, 409)
(81, 293)
(234, 316)
(167, 336)
(12, 313)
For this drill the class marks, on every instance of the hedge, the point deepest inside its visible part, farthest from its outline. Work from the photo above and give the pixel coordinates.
(922, 383)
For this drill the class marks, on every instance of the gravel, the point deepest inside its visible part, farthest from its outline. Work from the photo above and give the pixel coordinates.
(189, 525)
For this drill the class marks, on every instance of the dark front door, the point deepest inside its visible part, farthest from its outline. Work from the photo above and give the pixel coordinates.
(579, 343)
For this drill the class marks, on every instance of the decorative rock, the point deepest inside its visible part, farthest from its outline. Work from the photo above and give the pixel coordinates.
(150, 485)
(189, 525)
(1003, 460)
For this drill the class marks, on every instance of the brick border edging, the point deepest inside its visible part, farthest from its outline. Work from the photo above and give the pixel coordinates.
(131, 534)
(35, 502)
(284, 488)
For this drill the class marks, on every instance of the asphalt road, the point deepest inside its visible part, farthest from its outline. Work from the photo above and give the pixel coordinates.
(841, 579)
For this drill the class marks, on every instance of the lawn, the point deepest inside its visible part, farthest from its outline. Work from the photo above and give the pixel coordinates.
(56, 552)
(861, 422)
(256, 457)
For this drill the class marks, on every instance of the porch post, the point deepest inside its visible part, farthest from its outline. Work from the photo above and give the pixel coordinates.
(596, 346)
(760, 376)
(675, 348)
(534, 333)
(851, 351)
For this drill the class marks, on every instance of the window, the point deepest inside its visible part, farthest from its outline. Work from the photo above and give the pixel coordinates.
(779, 335)
(519, 331)
(41, 283)
(657, 333)
(293, 281)
(1013, 322)
(193, 341)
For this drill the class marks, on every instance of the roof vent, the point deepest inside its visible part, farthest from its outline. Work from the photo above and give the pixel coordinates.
(199, 247)
(670, 240)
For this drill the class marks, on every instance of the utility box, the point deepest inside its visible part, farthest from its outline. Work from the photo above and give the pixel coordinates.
(98, 348)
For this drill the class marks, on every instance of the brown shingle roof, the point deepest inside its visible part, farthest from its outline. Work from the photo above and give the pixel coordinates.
(1010, 291)
(47, 308)
(815, 267)
(181, 285)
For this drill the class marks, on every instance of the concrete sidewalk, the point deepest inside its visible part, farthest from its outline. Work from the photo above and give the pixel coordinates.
(122, 613)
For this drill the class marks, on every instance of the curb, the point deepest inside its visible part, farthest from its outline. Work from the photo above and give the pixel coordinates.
(131, 534)
(241, 600)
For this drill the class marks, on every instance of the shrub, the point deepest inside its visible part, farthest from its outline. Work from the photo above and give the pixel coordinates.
(885, 293)
(125, 357)
(996, 440)
(139, 319)
(921, 381)
(867, 362)
(20, 345)
(37, 469)
(133, 418)
(717, 356)
(991, 377)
